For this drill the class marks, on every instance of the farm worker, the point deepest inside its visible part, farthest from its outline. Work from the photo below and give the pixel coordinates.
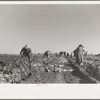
(78, 53)
(26, 52)
(47, 54)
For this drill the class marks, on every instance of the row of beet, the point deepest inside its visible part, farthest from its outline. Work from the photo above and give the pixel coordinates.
(14, 73)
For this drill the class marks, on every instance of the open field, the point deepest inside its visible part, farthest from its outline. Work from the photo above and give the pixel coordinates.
(55, 70)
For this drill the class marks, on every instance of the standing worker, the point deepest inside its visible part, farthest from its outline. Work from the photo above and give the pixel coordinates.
(78, 53)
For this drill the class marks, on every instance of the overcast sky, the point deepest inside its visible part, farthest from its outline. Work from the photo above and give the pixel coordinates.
(49, 27)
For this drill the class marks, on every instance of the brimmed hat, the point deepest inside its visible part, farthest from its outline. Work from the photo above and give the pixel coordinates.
(81, 46)
(27, 45)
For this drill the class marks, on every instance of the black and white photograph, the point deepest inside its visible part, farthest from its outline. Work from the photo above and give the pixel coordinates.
(49, 44)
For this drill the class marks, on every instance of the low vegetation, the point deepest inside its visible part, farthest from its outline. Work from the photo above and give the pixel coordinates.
(55, 70)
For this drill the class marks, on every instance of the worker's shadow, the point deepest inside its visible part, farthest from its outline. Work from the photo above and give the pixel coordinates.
(83, 78)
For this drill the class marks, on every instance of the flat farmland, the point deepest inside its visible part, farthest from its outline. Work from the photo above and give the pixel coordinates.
(48, 71)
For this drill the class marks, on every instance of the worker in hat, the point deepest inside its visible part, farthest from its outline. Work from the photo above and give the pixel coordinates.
(79, 54)
(26, 53)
